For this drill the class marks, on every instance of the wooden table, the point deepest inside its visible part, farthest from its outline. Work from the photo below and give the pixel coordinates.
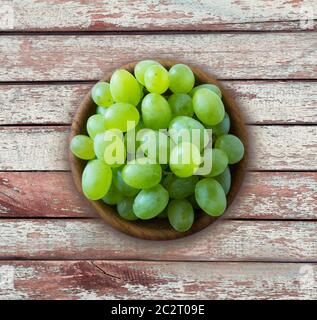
(52, 244)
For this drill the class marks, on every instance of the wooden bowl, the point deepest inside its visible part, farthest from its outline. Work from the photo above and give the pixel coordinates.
(159, 229)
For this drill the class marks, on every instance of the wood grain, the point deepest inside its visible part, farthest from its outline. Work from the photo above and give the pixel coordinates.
(156, 280)
(261, 102)
(45, 148)
(113, 15)
(224, 240)
(264, 195)
(227, 55)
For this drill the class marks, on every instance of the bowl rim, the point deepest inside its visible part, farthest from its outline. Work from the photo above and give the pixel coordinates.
(160, 229)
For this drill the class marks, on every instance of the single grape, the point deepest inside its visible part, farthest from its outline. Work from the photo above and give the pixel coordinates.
(109, 147)
(211, 197)
(208, 86)
(150, 202)
(124, 87)
(156, 79)
(225, 180)
(182, 78)
(232, 146)
(119, 114)
(125, 209)
(142, 173)
(180, 188)
(115, 152)
(186, 129)
(155, 145)
(96, 179)
(101, 110)
(96, 124)
(82, 147)
(141, 67)
(221, 128)
(219, 162)
(119, 183)
(156, 112)
(113, 196)
(101, 95)
(180, 215)
(208, 107)
(185, 159)
(141, 93)
(181, 104)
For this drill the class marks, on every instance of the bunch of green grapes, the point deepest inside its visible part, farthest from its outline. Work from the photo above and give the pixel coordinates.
(158, 105)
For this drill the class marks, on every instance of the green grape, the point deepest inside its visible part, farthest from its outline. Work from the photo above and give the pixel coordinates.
(141, 93)
(114, 153)
(124, 87)
(221, 128)
(96, 124)
(180, 215)
(141, 67)
(125, 209)
(185, 159)
(142, 173)
(109, 147)
(163, 214)
(96, 179)
(155, 145)
(225, 180)
(150, 202)
(129, 148)
(180, 188)
(182, 78)
(156, 112)
(181, 104)
(208, 107)
(185, 129)
(101, 110)
(101, 95)
(192, 200)
(208, 86)
(211, 197)
(82, 147)
(119, 183)
(232, 146)
(113, 196)
(219, 162)
(156, 79)
(119, 114)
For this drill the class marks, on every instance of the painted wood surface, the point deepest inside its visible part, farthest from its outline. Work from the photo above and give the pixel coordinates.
(158, 15)
(262, 102)
(264, 195)
(265, 247)
(45, 148)
(226, 55)
(224, 240)
(156, 280)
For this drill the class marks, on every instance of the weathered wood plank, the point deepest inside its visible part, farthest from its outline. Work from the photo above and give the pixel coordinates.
(102, 15)
(225, 240)
(231, 56)
(265, 195)
(156, 280)
(260, 101)
(45, 148)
